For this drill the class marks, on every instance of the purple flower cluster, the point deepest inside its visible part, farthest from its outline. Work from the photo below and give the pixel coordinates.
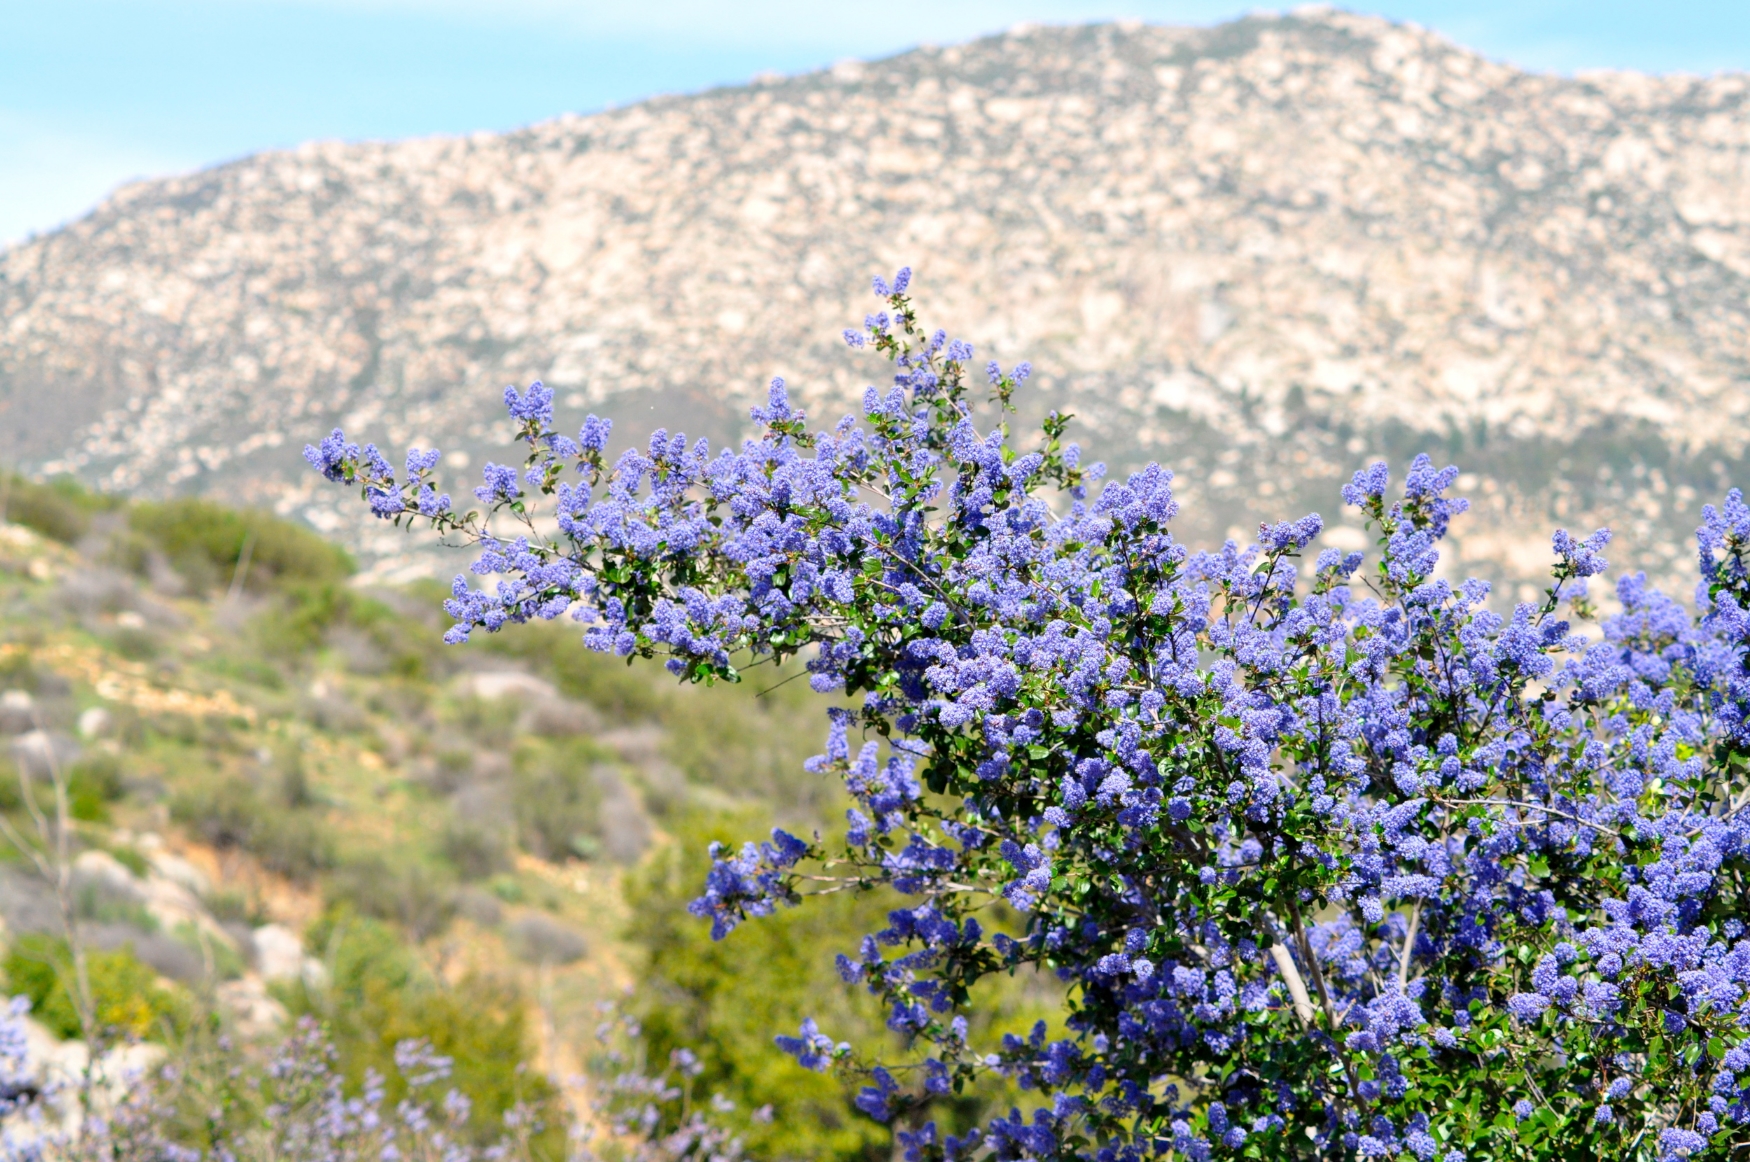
(1327, 848)
(312, 1114)
(654, 1117)
(749, 883)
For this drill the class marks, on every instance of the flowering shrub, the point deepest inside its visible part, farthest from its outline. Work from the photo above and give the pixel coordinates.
(105, 1111)
(311, 1115)
(1336, 863)
(652, 1118)
(296, 1105)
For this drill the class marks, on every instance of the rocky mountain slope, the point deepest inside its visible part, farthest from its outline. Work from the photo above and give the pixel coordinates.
(1260, 252)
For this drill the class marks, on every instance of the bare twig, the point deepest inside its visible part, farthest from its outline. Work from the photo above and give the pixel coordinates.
(1525, 805)
(1409, 946)
(1331, 1018)
(53, 857)
(1303, 1006)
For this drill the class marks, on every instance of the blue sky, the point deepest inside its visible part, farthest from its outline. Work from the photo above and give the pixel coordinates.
(97, 92)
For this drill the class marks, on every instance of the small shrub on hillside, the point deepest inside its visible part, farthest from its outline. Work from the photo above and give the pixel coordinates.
(252, 669)
(206, 541)
(134, 643)
(719, 1000)
(60, 509)
(127, 999)
(378, 995)
(541, 940)
(229, 812)
(556, 797)
(622, 693)
(93, 783)
(489, 722)
(233, 907)
(291, 777)
(130, 858)
(404, 891)
(476, 849)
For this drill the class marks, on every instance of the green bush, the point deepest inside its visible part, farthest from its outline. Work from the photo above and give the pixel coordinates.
(489, 722)
(555, 796)
(126, 997)
(291, 778)
(750, 740)
(298, 620)
(305, 614)
(15, 668)
(131, 859)
(400, 889)
(378, 995)
(60, 509)
(296, 844)
(251, 669)
(230, 906)
(725, 999)
(93, 783)
(205, 542)
(476, 850)
(228, 812)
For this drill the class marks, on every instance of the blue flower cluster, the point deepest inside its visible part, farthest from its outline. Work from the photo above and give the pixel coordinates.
(1333, 863)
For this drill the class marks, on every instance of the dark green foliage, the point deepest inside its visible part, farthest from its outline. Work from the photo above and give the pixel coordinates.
(301, 616)
(93, 783)
(305, 615)
(46, 512)
(205, 542)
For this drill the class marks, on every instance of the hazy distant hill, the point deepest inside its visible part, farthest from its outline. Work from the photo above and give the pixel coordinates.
(1259, 252)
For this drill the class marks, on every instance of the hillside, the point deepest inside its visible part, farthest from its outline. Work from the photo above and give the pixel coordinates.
(291, 799)
(1260, 252)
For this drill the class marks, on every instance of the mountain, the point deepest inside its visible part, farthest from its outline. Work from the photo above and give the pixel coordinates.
(1261, 253)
